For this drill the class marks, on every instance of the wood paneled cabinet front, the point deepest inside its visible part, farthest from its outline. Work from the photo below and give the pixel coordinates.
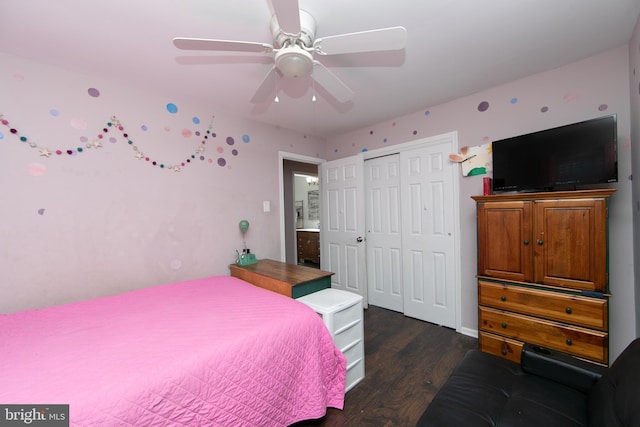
(557, 239)
(308, 246)
(543, 273)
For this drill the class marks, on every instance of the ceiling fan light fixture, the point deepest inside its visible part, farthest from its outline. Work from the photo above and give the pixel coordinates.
(294, 62)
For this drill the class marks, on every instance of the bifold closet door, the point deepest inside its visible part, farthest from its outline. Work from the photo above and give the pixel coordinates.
(428, 226)
(384, 227)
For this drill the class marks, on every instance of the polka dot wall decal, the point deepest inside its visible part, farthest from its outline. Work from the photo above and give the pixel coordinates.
(483, 106)
(513, 101)
(186, 133)
(603, 107)
(93, 92)
(364, 150)
(385, 140)
(220, 150)
(230, 140)
(41, 211)
(54, 112)
(426, 113)
(234, 152)
(222, 162)
(245, 138)
(370, 132)
(172, 108)
(571, 97)
(415, 132)
(196, 120)
(144, 128)
(36, 169)
(544, 109)
(78, 123)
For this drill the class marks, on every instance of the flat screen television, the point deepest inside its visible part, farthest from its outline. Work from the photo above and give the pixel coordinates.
(568, 157)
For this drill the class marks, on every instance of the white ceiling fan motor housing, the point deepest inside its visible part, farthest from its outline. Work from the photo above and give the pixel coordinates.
(292, 59)
(307, 31)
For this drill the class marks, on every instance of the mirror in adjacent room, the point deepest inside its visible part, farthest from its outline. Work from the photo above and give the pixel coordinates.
(307, 205)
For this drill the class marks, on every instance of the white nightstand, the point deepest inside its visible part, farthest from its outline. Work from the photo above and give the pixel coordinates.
(342, 313)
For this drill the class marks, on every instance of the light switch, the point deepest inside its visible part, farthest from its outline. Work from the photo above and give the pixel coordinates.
(266, 206)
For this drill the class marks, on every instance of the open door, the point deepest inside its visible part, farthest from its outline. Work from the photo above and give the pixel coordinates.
(342, 224)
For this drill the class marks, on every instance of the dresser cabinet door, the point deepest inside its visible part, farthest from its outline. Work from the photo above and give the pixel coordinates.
(505, 249)
(571, 243)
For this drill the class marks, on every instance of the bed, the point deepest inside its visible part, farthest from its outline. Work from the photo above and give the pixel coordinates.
(211, 352)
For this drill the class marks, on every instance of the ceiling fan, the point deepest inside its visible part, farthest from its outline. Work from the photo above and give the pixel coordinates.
(294, 45)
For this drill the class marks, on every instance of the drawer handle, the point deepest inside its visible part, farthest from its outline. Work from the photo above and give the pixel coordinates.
(568, 310)
(503, 298)
(504, 325)
(569, 342)
(526, 242)
(504, 351)
(540, 242)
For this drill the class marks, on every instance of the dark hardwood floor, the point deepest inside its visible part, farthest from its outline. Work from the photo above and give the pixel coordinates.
(406, 362)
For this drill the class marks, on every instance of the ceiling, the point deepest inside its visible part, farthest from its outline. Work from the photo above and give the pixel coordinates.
(454, 48)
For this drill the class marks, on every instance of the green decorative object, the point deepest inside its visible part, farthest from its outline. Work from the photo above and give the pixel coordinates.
(246, 257)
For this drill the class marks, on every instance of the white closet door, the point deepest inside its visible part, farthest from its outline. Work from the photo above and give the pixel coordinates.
(384, 239)
(428, 221)
(342, 224)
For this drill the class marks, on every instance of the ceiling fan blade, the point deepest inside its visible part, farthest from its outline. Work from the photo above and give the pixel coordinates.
(331, 83)
(221, 45)
(287, 13)
(267, 87)
(364, 41)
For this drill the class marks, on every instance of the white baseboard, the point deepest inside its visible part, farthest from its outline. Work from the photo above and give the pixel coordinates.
(468, 331)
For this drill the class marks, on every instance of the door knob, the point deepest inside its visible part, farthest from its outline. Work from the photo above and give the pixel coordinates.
(359, 239)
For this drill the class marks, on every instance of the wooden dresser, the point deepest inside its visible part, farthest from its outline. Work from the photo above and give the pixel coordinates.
(543, 273)
(308, 245)
(286, 279)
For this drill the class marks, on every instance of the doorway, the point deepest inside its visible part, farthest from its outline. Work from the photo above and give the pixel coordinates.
(297, 175)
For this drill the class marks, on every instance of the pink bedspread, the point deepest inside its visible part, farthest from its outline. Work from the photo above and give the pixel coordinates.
(209, 352)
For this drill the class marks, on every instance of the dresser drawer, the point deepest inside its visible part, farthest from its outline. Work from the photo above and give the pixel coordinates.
(345, 337)
(354, 352)
(589, 344)
(355, 374)
(501, 346)
(346, 317)
(573, 309)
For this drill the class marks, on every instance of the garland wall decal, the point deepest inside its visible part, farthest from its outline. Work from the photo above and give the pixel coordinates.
(114, 125)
